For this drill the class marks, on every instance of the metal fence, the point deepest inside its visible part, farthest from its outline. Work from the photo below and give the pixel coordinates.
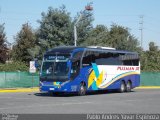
(25, 79)
(150, 79)
(18, 79)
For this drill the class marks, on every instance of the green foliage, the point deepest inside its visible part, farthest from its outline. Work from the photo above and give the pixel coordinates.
(84, 26)
(55, 28)
(118, 37)
(150, 60)
(121, 39)
(98, 36)
(3, 46)
(25, 40)
(152, 47)
(14, 66)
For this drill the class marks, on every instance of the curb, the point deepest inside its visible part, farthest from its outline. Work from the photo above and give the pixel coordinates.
(148, 87)
(14, 90)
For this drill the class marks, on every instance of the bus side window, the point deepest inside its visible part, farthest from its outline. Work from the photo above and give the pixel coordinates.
(87, 59)
(130, 59)
(75, 69)
(76, 60)
(76, 64)
(135, 62)
(127, 62)
(107, 58)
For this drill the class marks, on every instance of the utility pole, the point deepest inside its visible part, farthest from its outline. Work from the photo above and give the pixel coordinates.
(141, 29)
(0, 9)
(88, 8)
(75, 30)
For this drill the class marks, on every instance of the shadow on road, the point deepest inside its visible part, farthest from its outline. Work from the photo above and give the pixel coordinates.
(100, 92)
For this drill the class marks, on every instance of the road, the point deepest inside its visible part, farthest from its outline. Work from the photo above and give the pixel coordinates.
(138, 101)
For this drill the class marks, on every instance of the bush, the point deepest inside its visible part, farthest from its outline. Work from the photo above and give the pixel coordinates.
(14, 66)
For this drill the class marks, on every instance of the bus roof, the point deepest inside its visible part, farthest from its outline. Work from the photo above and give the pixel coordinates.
(70, 49)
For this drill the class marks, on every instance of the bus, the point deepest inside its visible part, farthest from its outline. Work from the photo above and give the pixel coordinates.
(84, 69)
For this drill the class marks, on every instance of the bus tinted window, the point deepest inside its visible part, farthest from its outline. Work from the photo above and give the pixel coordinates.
(76, 64)
(130, 59)
(77, 55)
(108, 59)
(135, 62)
(87, 59)
(127, 62)
(101, 58)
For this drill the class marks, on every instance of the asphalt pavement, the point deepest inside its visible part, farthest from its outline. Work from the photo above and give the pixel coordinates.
(137, 101)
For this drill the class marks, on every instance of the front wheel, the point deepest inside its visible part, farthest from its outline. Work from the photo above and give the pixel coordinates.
(82, 89)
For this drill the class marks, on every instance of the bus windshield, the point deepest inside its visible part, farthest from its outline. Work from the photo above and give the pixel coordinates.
(55, 67)
(51, 68)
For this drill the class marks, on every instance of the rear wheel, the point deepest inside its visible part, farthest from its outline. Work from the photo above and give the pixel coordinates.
(128, 86)
(82, 89)
(122, 87)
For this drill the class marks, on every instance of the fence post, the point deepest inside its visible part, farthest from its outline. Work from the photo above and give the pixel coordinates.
(4, 79)
(19, 75)
(32, 81)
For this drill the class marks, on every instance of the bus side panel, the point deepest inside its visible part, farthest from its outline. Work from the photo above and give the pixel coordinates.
(110, 77)
(83, 76)
(136, 82)
(133, 78)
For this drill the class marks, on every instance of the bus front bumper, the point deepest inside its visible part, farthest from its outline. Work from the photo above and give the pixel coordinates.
(60, 87)
(52, 89)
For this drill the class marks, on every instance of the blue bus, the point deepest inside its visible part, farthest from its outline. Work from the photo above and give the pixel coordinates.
(84, 69)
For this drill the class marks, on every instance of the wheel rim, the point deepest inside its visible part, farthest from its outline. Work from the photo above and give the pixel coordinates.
(122, 87)
(128, 87)
(82, 90)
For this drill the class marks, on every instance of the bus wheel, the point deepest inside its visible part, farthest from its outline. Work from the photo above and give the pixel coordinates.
(128, 86)
(82, 89)
(53, 93)
(122, 87)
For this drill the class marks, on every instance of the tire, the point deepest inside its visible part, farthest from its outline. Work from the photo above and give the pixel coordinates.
(122, 87)
(82, 89)
(53, 93)
(50, 93)
(128, 86)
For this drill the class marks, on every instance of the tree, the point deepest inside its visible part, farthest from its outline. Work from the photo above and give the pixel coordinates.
(117, 37)
(25, 40)
(151, 59)
(84, 26)
(3, 46)
(121, 38)
(152, 47)
(55, 28)
(98, 36)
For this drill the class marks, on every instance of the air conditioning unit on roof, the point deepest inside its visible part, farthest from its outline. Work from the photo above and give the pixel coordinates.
(110, 48)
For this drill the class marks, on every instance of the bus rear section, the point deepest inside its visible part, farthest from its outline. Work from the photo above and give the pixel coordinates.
(111, 70)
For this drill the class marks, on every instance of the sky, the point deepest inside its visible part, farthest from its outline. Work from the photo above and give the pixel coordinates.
(127, 13)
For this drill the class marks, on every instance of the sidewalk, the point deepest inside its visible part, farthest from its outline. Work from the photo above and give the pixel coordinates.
(10, 90)
(148, 87)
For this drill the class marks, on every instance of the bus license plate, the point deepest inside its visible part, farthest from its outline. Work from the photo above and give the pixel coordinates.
(51, 88)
